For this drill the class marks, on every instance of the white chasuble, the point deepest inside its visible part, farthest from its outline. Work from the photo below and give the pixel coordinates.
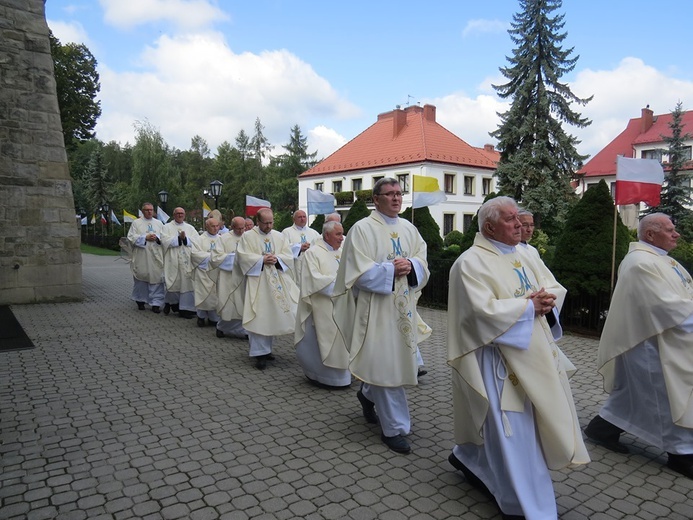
(488, 295)
(229, 299)
(147, 256)
(271, 295)
(380, 330)
(204, 275)
(177, 264)
(317, 279)
(652, 300)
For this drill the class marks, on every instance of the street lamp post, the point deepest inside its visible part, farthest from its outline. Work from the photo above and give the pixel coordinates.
(215, 187)
(163, 199)
(106, 210)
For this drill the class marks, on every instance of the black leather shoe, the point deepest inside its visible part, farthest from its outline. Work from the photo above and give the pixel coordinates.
(421, 372)
(188, 315)
(270, 357)
(610, 443)
(682, 464)
(396, 443)
(167, 309)
(156, 309)
(200, 322)
(220, 334)
(140, 306)
(468, 475)
(260, 363)
(213, 323)
(175, 307)
(368, 408)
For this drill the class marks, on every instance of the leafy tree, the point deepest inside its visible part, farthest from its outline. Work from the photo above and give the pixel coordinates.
(427, 226)
(582, 261)
(453, 238)
(318, 223)
(357, 211)
(676, 190)
(98, 184)
(537, 157)
(77, 84)
(151, 165)
(259, 144)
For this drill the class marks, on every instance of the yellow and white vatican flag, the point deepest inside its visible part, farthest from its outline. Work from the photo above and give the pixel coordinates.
(128, 217)
(426, 192)
(205, 209)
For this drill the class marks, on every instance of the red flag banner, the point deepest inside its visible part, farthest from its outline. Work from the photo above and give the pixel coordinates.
(253, 204)
(638, 180)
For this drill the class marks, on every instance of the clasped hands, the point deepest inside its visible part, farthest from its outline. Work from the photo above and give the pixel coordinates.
(543, 302)
(402, 267)
(151, 237)
(269, 259)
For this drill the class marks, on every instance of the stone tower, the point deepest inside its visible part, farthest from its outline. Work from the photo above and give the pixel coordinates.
(40, 259)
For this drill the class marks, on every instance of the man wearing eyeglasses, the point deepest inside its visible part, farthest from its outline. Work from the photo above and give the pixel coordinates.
(262, 271)
(383, 263)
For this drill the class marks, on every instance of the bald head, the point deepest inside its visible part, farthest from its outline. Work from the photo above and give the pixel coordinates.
(238, 225)
(300, 218)
(658, 230)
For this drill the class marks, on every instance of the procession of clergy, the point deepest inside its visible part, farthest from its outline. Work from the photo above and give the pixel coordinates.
(352, 310)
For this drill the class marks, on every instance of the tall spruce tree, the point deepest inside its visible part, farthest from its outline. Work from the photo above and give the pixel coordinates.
(537, 157)
(676, 190)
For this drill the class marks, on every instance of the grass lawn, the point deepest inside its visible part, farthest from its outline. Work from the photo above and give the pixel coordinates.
(92, 250)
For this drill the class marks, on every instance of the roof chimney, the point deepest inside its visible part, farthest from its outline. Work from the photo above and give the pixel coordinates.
(646, 119)
(429, 113)
(489, 148)
(399, 121)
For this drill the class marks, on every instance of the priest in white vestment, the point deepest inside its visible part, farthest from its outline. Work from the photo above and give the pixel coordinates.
(177, 240)
(300, 237)
(224, 259)
(263, 273)
(204, 275)
(382, 268)
(513, 408)
(147, 262)
(645, 354)
(320, 349)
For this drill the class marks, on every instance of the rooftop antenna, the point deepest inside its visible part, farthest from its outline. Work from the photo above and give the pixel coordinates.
(408, 98)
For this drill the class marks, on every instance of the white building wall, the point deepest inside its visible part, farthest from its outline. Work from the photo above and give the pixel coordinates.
(459, 203)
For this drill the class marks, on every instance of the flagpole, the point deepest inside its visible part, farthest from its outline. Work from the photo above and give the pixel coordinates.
(613, 250)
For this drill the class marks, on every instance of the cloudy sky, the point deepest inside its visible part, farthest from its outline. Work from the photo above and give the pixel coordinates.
(211, 67)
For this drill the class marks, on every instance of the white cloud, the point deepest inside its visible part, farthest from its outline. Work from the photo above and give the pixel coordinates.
(188, 14)
(481, 26)
(470, 119)
(69, 32)
(195, 85)
(620, 94)
(325, 141)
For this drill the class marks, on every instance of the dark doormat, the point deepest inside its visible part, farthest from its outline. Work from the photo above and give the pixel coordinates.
(12, 335)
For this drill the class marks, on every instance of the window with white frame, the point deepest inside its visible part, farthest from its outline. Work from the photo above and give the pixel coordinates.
(320, 186)
(448, 223)
(485, 186)
(449, 183)
(467, 221)
(356, 184)
(468, 185)
(377, 178)
(403, 179)
(652, 154)
(336, 186)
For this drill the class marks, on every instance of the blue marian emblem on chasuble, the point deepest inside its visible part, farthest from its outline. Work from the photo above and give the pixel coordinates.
(525, 285)
(268, 246)
(675, 266)
(396, 247)
(149, 228)
(303, 238)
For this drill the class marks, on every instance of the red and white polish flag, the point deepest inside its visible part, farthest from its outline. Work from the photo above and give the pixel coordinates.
(638, 180)
(253, 204)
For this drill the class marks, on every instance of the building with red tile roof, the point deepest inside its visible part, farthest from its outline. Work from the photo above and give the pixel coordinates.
(641, 139)
(403, 143)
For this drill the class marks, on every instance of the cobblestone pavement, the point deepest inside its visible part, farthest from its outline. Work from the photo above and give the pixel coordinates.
(124, 414)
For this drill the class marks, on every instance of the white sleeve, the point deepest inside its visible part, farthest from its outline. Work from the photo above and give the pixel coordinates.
(378, 279)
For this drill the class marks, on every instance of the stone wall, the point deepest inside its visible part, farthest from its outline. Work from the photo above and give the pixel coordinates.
(40, 259)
